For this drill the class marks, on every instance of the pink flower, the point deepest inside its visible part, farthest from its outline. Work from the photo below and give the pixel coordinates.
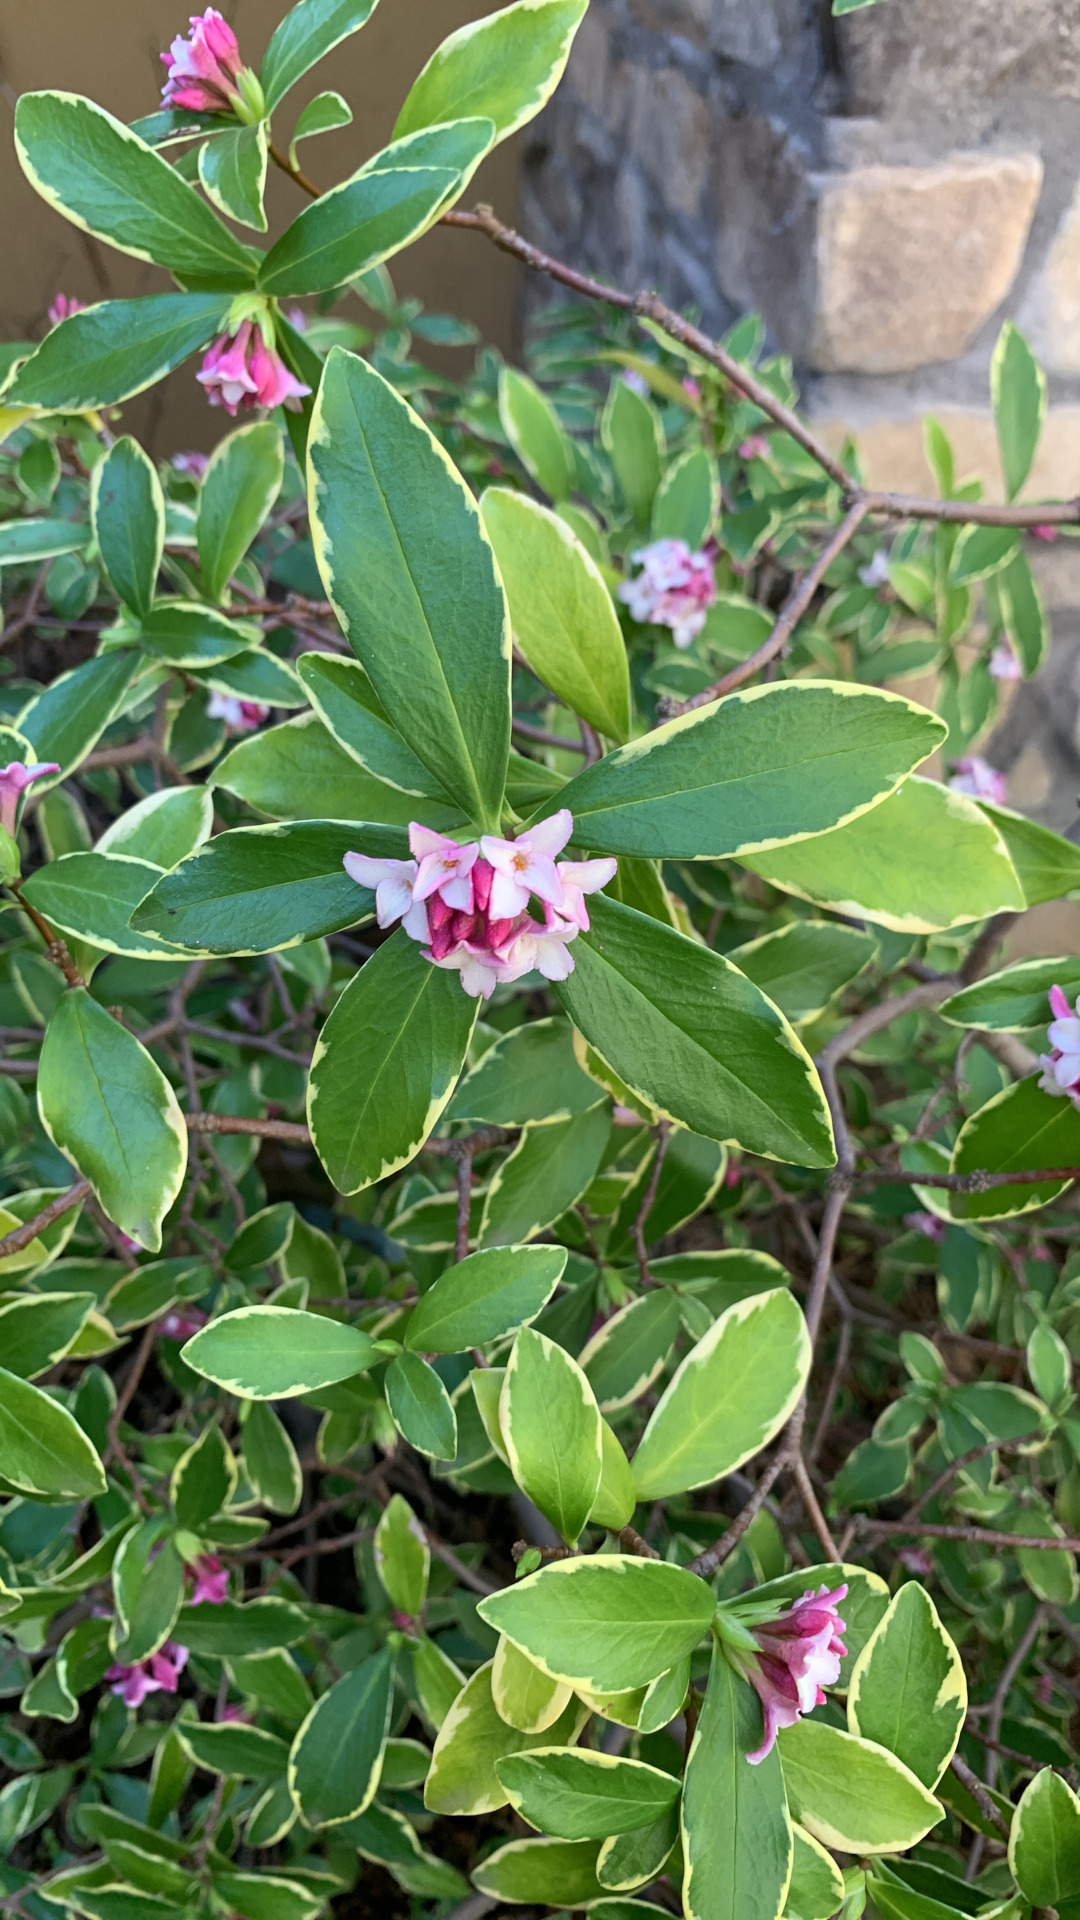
(180, 1323)
(674, 588)
(925, 1223)
(392, 884)
(160, 1673)
(527, 865)
(211, 1581)
(795, 1657)
(234, 1716)
(756, 447)
(580, 877)
(917, 1560)
(1061, 1066)
(691, 387)
(244, 372)
(203, 68)
(63, 307)
(193, 464)
(444, 867)
(240, 716)
(976, 777)
(544, 949)
(14, 780)
(1045, 533)
(1004, 664)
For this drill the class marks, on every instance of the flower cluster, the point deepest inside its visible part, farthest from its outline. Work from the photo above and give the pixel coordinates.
(14, 780)
(204, 68)
(210, 1581)
(244, 369)
(1061, 1066)
(62, 308)
(240, 716)
(467, 905)
(675, 587)
(791, 1659)
(976, 777)
(160, 1673)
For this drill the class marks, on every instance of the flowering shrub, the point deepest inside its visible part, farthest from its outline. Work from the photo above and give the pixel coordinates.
(500, 1039)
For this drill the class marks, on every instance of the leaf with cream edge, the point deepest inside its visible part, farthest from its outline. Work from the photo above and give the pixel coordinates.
(413, 580)
(907, 1690)
(560, 610)
(353, 228)
(1016, 998)
(484, 1297)
(1044, 1841)
(551, 1873)
(816, 1889)
(275, 1353)
(505, 66)
(242, 480)
(1021, 1129)
(729, 1397)
(307, 33)
(127, 509)
(605, 1624)
(347, 704)
(852, 1795)
(536, 433)
(736, 1829)
(626, 1354)
(67, 718)
(336, 1757)
(91, 896)
(107, 1105)
(551, 1429)
(420, 1406)
(111, 351)
(524, 1697)
(164, 828)
(691, 1035)
(45, 1452)
(386, 1063)
(462, 1777)
(1046, 863)
(585, 1795)
(549, 1170)
(920, 862)
(402, 1556)
(759, 769)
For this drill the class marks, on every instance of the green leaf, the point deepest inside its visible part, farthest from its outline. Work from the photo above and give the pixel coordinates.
(203, 1479)
(1044, 1842)
(729, 1397)
(229, 1628)
(348, 705)
(560, 610)
(275, 1353)
(185, 635)
(128, 511)
(816, 1889)
(23, 541)
(385, 1064)
(337, 1755)
(273, 1679)
(148, 1587)
(549, 1170)
(36, 1332)
(405, 561)
(530, 1073)
(162, 829)
(524, 1697)
(504, 66)
(1020, 1129)
(907, 1691)
(626, 1354)
(585, 1796)
(240, 485)
(1022, 612)
(484, 1297)
(1048, 865)
(1015, 999)
(298, 771)
(66, 720)
(46, 1453)
(633, 438)
(270, 1462)
(265, 889)
(606, 1623)
(107, 181)
(91, 896)
(536, 434)
(629, 1860)
(109, 352)
(1018, 393)
(308, 32)
(268, 1896)
(353, 227)
(687, 499)
(402, 1556)
(552, 1873)
(232, 170)
(551, 1428)
(228, 1747)
(321, 115)
(750, 772)
(853, 1795)
(736, 1831)
(472, 1737)
(420, 1406)
(106, 1105)
(804, 965)
(979, 552)
(689, 1033)
(256, 675)
(865, 869)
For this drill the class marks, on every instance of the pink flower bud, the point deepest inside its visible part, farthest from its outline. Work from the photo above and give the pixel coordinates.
(14, 780)
(203, 68)
(63, 307)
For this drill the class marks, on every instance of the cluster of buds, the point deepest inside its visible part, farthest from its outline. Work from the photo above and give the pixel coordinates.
(468, 905)
(788, 1659)
(675, 587)
(242, 368)
(1061, 1066)
(979, 780)
(206, 73)
(62, 308)
(240, 716)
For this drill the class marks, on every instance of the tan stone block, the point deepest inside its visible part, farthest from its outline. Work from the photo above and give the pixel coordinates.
(892, 450)
(669, 134)
(912, 260)
(1050, 315)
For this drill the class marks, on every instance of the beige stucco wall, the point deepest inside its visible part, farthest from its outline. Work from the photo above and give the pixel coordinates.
(109, 49)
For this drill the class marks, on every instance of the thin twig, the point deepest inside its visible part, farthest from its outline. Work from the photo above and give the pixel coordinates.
(20, 1237)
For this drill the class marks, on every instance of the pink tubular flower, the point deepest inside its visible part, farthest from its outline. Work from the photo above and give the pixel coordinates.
(158, 1674)
(14, 780)
(240, 716)
(63, 307)
(242, 371)
(976, 777)
(391, 881)
(443, 867)
(203, 68)
(1004, 664)
(180, 1323)
(192, 464)
(1061, 1066)
(1049, 534)
(527, 865)
(211, 1581)
(795, 1657)
(580, 877)
(674, 588)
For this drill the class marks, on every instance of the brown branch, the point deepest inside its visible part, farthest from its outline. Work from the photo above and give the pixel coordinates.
(464, 1206)
(282, 160)
(991, 1813)
(975, 1536)
(706, 1564)
(291, 1130)
(474, 1581)
(20, 1237)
